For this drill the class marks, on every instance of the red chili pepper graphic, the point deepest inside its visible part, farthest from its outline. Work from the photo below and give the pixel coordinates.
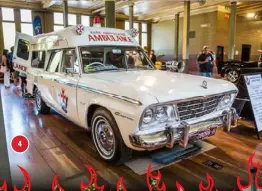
(256, 177)
(27, 182)
(3, 187)
(149, 177)
(120, 185)
(92, 181)
(55, 185)
(257, 166)
(210, 185)
(179, 187)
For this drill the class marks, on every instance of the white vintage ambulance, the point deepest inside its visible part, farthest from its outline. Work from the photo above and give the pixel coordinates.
(102, 80)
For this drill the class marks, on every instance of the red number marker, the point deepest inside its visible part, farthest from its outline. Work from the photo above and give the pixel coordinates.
(20, 144)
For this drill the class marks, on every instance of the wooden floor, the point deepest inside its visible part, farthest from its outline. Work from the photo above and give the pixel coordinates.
(58, 146)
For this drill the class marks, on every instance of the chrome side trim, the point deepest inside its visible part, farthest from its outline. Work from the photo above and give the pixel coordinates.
(124, 98)
(65, 83)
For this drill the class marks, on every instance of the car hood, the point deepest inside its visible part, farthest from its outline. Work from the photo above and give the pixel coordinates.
(163, 86)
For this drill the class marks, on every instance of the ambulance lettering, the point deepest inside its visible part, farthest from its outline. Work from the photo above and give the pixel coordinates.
(20, 67)
(113, 37)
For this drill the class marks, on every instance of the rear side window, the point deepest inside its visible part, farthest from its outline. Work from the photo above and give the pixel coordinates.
(23, 49)
(54, 61)
(38, 59)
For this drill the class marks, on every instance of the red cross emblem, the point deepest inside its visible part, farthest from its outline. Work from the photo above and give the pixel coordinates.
(80, 29)
(134, 32)
(63, 96)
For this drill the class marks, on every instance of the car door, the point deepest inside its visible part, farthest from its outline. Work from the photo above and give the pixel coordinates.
(37, 67)
(46, 83)
(65, 87)
(22, 52)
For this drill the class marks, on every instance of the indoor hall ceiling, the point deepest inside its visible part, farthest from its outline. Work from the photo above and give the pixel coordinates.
(154, 10)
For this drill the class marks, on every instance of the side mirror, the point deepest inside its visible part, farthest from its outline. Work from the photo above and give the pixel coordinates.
(69, 71)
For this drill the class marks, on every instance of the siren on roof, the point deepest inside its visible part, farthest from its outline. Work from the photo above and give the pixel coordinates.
(97, 21)
(133, 32)
(80, 29)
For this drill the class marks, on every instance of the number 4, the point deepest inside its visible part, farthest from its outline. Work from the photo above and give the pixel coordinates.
(20, 144)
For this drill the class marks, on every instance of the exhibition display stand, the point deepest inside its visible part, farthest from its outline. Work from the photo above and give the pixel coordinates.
(250, 91)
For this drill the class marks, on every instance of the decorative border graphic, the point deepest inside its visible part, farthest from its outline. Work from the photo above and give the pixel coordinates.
(153, 181)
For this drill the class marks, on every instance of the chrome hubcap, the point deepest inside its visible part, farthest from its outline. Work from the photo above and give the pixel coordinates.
(104, 137)
(233, 76)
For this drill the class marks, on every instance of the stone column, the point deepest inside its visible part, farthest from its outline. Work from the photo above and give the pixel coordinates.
(65, 13)
(17, 17)
(131, 14)
(110, 13)
(232, 31)
(176, 35)
(186, 29)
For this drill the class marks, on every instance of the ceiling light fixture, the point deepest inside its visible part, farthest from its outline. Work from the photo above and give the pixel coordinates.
(250, 15)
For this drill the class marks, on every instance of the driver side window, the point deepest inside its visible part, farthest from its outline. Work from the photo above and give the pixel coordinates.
(70, 61)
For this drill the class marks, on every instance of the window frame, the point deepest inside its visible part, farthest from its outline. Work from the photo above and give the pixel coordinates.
(3, 33)
(62, 60)
(89, 46)
(38, 51)
(17, 53)
(3, 20)
(142, 32)
(81, 20)
(75, 18)
(26, 22)
(55, 24)
(50, 56)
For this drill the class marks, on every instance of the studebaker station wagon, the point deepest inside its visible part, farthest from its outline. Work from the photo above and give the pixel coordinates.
(102, 80)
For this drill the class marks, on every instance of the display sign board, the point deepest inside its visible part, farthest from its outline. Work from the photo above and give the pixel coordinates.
(253, 84)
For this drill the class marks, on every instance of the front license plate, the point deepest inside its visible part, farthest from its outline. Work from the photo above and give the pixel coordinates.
(204, 134)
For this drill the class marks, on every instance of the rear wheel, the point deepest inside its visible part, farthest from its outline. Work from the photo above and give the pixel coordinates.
(233, 76)
(40, 104)
(107, 138)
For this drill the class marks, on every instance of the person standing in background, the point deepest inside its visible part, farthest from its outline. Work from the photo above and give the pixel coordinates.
(214, 66)
(152, 56)
(202, 61)
(6, 68)
(10, 57)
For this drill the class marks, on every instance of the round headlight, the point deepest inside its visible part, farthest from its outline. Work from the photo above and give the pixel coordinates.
(227, 99)
(161, 114)
(148, 116)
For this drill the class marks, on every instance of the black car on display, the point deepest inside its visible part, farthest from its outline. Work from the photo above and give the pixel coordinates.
(233, 68)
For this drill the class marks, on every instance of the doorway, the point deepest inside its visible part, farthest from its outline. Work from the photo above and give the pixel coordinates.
(246, 50)
(220, 58)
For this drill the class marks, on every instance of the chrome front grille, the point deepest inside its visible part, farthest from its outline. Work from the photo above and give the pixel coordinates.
(198, 107)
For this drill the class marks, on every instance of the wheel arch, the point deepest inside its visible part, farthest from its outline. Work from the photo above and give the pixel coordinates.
(91, 110)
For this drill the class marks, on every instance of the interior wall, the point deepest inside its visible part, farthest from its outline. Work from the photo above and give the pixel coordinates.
(249, 32)
(163, 37)
(204, 27)
(163, 34)
(222, 32)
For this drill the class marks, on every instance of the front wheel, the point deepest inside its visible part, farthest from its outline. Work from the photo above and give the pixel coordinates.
(40, 104)
(233, 76)
(107, 138)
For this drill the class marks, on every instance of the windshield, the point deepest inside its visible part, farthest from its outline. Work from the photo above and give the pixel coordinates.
(97, 59)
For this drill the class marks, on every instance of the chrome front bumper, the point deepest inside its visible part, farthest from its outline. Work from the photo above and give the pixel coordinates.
(183, 132)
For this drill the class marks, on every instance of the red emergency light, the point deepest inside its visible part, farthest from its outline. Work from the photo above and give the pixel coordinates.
(97, 21)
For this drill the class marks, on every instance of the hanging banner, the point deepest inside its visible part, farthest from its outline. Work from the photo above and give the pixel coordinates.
(37, 25)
